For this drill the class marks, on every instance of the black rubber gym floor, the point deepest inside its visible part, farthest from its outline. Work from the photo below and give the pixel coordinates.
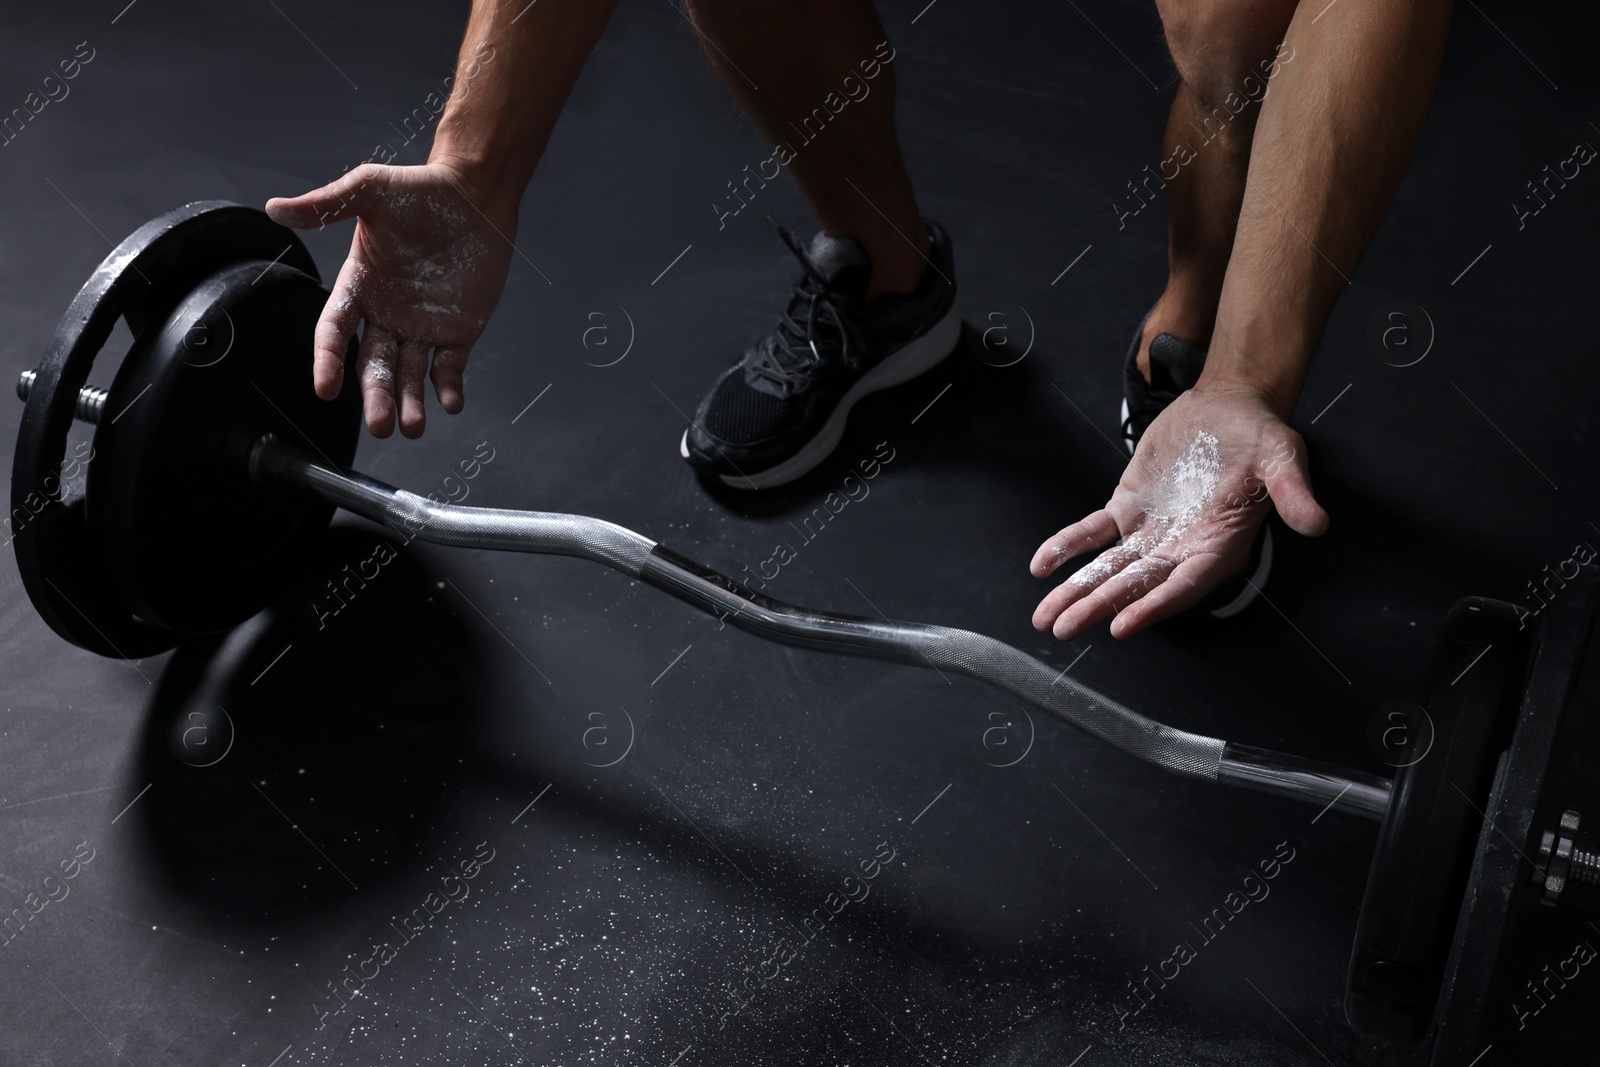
(611, 811)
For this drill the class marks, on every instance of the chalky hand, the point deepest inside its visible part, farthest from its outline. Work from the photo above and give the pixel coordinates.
(1183, 515)
(427, 264)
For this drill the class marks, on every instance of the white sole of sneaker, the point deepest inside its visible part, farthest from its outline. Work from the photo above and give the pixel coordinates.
(921, 355)
(1248, 594)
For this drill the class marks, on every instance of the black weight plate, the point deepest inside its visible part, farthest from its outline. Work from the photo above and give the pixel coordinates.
(1500, 891)
(140, 280)
(195, 545)
(1424, 850)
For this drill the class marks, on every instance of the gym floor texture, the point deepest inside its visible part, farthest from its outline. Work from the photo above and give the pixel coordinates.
(653, 801)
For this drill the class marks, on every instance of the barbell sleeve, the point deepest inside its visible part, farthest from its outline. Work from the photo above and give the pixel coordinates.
(91, 400)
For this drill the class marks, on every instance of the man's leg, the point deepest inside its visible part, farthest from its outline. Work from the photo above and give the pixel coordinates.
(1226, 55)
(875, 306)
(785, 63)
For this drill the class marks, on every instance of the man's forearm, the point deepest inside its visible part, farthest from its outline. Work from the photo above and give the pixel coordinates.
(1336, 134)
(518, 63)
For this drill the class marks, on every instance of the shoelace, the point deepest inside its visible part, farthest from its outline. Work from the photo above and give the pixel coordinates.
(789, 355)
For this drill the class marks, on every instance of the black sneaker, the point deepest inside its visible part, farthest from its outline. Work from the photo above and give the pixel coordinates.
(781, 409)
(1175, 365)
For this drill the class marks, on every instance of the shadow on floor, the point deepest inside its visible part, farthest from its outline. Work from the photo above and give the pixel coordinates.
(311, 746)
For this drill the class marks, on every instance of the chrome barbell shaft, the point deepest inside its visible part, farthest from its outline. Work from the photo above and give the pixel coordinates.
(939, 647)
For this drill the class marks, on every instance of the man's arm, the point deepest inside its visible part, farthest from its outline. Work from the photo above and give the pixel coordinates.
(1336, 133)
(518, 63)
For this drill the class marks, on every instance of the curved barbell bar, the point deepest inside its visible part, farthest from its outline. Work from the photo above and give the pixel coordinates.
(913, 644)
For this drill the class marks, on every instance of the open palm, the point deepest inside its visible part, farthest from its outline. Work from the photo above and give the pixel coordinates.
(425, 271)
(1182, 517)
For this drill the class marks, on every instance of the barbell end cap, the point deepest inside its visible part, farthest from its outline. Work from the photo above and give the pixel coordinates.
(25, 383)
(259, 462)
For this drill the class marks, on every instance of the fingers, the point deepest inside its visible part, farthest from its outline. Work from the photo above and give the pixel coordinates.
(1132, 581)
(1288, 481)
(1082, 584)
(413, 369)
(1086, 535)
(331, 341)
(376, 366)
(449, 364)
(392, 374)
(346, 197)
(1181, 590)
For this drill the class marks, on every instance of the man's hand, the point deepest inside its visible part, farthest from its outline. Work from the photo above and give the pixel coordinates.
(1186, 510)
(426, 268)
